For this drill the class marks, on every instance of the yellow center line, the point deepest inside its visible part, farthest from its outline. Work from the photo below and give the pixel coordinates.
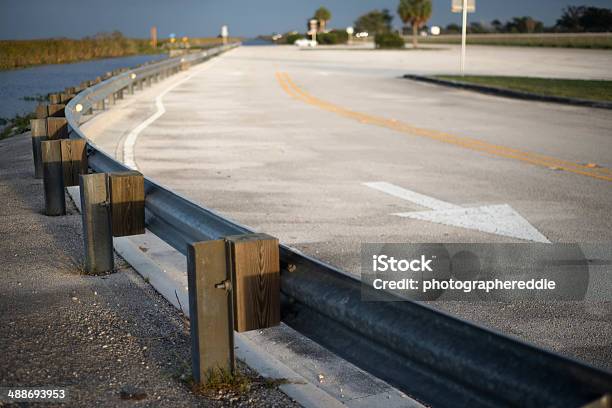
(296, 92)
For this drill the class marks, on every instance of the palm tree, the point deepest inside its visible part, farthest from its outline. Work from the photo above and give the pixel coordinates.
(415, 12)
(323, 15)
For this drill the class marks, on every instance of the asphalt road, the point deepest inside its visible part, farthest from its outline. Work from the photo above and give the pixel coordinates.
(283, 140)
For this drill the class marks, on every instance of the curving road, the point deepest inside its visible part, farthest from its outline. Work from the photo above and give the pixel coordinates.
(285, 141)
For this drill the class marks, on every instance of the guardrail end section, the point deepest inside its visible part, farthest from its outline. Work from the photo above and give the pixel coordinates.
(210, 310)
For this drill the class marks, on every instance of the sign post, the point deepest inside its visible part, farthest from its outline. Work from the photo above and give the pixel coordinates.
(313, 29)
(224, 34)
(350, 31)
(463, 6)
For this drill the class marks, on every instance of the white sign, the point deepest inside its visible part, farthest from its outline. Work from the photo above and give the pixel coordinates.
(224, 31)
(350, 30)
(457, 6)
(434, 30)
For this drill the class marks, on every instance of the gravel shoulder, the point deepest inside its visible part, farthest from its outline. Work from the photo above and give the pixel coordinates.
(110, 340)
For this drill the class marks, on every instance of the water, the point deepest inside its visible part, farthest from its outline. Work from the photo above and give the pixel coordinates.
(256, 41)
(44, 79)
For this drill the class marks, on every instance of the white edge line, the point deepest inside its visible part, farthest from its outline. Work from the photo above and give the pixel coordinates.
(129, 142)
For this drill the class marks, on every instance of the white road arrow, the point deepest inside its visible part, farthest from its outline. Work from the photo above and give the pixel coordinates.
(494, 219)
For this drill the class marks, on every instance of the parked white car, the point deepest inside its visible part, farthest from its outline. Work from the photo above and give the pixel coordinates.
(303, 42)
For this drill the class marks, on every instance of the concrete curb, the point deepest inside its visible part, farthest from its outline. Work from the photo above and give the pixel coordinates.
(511, 94)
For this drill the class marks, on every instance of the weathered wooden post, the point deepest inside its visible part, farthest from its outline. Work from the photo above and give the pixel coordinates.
(42, 111)
(255, 270)
(131, 84)
(210, 309)
(53, 177)
(65, 97)
(100, 105)
(112, 206)
(234, 284)
(74, 160)
(39, 134)
(56, 110)
(54, 98)
(127, 203)
(149, 81)
(96, 215)
(57, 128)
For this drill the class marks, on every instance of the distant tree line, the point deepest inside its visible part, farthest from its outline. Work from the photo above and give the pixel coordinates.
(574, 19)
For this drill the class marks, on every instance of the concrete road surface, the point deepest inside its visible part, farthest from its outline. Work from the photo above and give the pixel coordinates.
(284, 141)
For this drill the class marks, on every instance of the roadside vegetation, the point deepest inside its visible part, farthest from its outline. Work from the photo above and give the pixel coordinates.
(25, 53)
(389, 41)
(561, 40)
(415, 12)
(577, 27)
(569, 88)
(15, 126)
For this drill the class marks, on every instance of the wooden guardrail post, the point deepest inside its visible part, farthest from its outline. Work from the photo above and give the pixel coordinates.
(210, 309)
(53, 177)
(44, 110)
(255, 269)
(127, 203)
(74, 160)
(96, 215)
(54, 98)
(112, 204)
(111, 98)
(234, 284)
(148, 80)
(100, 105)
(131, 84)
(39, 134)
(57, 128)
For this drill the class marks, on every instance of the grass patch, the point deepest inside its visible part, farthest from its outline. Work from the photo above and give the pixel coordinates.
(223, 385)
(223, 381)
(585, 40)
(15, 126)
(570, 88)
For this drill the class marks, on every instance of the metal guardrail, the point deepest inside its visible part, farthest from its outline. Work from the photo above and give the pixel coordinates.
(432, 356)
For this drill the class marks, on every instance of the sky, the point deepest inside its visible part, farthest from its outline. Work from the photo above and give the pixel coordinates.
(27, 19)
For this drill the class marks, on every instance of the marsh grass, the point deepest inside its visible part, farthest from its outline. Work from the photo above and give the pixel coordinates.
(24, 53)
